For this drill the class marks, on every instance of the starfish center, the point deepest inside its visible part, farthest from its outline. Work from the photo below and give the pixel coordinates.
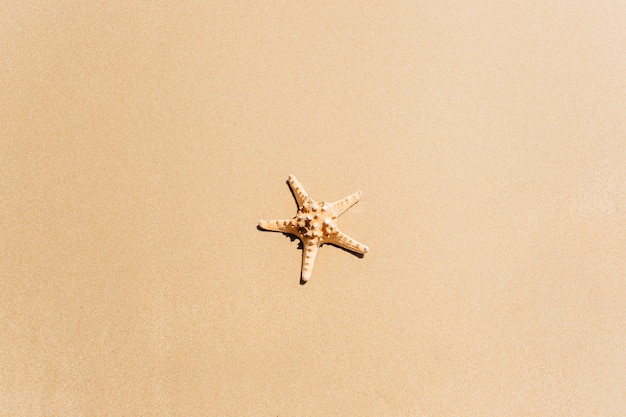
(315, 220)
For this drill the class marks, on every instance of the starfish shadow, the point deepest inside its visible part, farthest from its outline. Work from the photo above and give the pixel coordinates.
(292, 238)
(287, 235)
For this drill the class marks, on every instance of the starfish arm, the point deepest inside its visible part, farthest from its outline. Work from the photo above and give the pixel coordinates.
(298, 190)
(308, 259)
(283, 226)
(342, 240)
(341, 206)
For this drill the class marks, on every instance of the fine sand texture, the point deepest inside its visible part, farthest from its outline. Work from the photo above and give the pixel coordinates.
(142, 142)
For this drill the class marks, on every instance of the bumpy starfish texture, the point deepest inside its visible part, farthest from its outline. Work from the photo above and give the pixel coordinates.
(315, 224)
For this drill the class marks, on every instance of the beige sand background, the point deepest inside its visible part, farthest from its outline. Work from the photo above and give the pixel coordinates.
(142, 141)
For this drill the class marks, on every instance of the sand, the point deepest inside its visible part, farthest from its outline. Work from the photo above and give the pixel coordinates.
(142, 142)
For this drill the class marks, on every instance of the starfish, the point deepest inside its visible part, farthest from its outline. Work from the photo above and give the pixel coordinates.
(315, 224)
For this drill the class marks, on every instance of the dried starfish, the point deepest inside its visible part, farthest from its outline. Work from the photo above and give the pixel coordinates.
(315, 224)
